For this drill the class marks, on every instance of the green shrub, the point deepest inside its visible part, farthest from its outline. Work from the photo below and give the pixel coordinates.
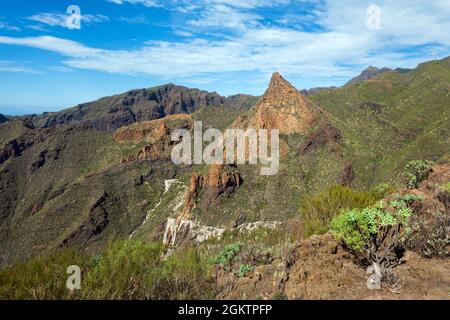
(318, 211)
(404, 200)
(136, 270)
(357, 226)
(240, 252)
(408, 198)
(377, 236)
(243, 270)
(226, 256)
(445, 187)
(41, 277)
(415, 172)
(125, 270)
(384, 189)
(185, 275)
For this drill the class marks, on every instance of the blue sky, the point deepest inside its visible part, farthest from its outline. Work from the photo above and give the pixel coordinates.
(228, 46)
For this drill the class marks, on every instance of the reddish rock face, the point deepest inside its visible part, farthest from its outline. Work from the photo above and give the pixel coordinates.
(196, 184)
(148, 131)
(217, 183)
(282, 107)
(157, 133)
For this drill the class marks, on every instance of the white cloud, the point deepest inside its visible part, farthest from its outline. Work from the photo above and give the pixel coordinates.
(60, 19)
(139, 19)
(60, 69)
(229, 14)
(411, 32)
(62, 46)
(226, 17)
(403, 22)
(147, 3)
(182, 33)
(8, 27)
(11, 66)
(264, 51)
(248, 4)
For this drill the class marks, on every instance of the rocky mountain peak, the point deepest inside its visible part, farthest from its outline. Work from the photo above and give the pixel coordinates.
(282, 107)
(279, 89)
(277, 78)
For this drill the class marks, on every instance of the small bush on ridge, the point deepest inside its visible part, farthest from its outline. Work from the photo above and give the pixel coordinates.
(318, 211)
(357, 226)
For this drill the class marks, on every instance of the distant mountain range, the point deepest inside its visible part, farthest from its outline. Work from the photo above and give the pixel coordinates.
(98, 171)
(113, 112)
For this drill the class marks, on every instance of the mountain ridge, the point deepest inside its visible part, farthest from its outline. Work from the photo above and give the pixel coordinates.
(110, 113)
(130, 107)
(362, 135)
(368, 74)
(3, 118)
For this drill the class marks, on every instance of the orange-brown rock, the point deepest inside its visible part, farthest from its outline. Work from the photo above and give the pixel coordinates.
(156, 133)
(148, 131)
(320, 268)
(282, 107)
(219, 182)
(196, 184)
(216, 183)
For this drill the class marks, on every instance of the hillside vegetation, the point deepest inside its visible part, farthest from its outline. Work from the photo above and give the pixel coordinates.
(94, 185)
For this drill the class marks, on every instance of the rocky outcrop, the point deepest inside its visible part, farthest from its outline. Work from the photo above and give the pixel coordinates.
(151, 131)
(196, 184)
(177, 232)
(157, 135)
(321, 268)
(15, 147)
(217, 183)
(326, 134)
(282, 107)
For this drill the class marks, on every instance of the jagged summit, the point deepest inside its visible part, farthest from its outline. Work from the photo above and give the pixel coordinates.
(277, 79)
(282, 107)
(368, 74)
(281, 92)
(279, 88)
